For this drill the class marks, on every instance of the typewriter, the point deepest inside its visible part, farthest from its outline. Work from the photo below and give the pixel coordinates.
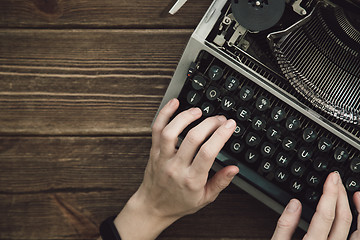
(288, 72)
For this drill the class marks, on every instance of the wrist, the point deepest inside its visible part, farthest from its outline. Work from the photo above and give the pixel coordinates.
(139, 221)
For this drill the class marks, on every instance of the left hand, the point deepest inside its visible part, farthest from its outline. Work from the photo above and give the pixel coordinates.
(176, 181)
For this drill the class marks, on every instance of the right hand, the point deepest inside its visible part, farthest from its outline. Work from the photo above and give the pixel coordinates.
(332, 219)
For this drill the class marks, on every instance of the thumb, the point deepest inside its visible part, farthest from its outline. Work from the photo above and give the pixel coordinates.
(219, 182)
(288, 221)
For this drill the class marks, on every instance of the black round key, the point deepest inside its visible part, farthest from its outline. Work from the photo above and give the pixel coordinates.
(320, 164)
(198, 82)
(355, 165)
(312, 196)
(267, 149)
(292, 123)
(281, 175)
(341, 154)
(309, 135)
(251, 156)
(215, 72)
(277, 114)
(231, 83)
(236, 146)
(227, 103)
(313, 179)
(258, 123)
(243, 113)
(297, 169)
(296, 185)
(262, 104)
(304, 153)
(193, 97)
(282, 159)
(352, 184)
(207, 109)
(246, 93)
(239, 130)
(273, 133)
(252, 139)
(288, 143)
(325, 144)
(266, 166)
(212, 93)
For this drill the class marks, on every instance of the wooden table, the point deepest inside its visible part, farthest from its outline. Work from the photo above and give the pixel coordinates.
(80, 82)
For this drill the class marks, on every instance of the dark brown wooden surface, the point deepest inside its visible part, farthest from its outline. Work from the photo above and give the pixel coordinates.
(80, 83)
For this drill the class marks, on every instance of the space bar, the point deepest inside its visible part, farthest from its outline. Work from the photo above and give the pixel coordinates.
(263, 184)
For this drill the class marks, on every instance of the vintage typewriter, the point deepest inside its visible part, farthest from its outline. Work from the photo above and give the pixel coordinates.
(288, 72)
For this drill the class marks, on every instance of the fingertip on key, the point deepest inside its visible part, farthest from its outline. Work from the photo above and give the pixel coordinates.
(230, 124)
(196, 111)
(336, 177)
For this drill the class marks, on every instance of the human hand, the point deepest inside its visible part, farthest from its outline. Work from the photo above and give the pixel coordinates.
(176, 180)
(331, 220)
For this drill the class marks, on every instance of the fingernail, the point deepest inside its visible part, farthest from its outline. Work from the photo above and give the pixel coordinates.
(358, 194)
(336, 178)
(195, 111)
(221, 118)
(230, 124)
(232, 174)
(172, 102)
(293, 206)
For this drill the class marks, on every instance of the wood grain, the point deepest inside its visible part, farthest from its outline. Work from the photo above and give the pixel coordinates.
(90, 82)
(67, 185)
(98, 14)
(80, 83)
(77, 216)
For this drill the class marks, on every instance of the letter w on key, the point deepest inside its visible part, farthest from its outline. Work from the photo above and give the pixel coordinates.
(227, 103)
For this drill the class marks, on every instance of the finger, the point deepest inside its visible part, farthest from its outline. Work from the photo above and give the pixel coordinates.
(210, 149)
(162, 120)
(356, 199)
(324, 216)
(196, 136)
(288, 221)
(219, 182)
(343, 216)
(355, 235)
(169, 135)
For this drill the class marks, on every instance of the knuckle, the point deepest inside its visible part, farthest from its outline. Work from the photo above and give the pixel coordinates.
(170, 172)
(222, 134)
(167, 135)
(205, 152)
(347, 217)
(220, 186)
(191, 184)
(284, 223)
(156, 127)
(193, 137)
(327, 217)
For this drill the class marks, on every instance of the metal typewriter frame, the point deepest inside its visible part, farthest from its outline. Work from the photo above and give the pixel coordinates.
(196, 44)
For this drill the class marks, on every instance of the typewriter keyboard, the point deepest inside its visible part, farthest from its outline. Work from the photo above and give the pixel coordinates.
(284, 153)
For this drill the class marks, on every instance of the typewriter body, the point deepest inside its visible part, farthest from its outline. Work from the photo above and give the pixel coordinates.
(288, 72)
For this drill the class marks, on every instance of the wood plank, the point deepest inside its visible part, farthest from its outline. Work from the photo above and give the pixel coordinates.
(92, 82)
(76, 164)
(67, 215)
(99, 14)
(67, 185)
